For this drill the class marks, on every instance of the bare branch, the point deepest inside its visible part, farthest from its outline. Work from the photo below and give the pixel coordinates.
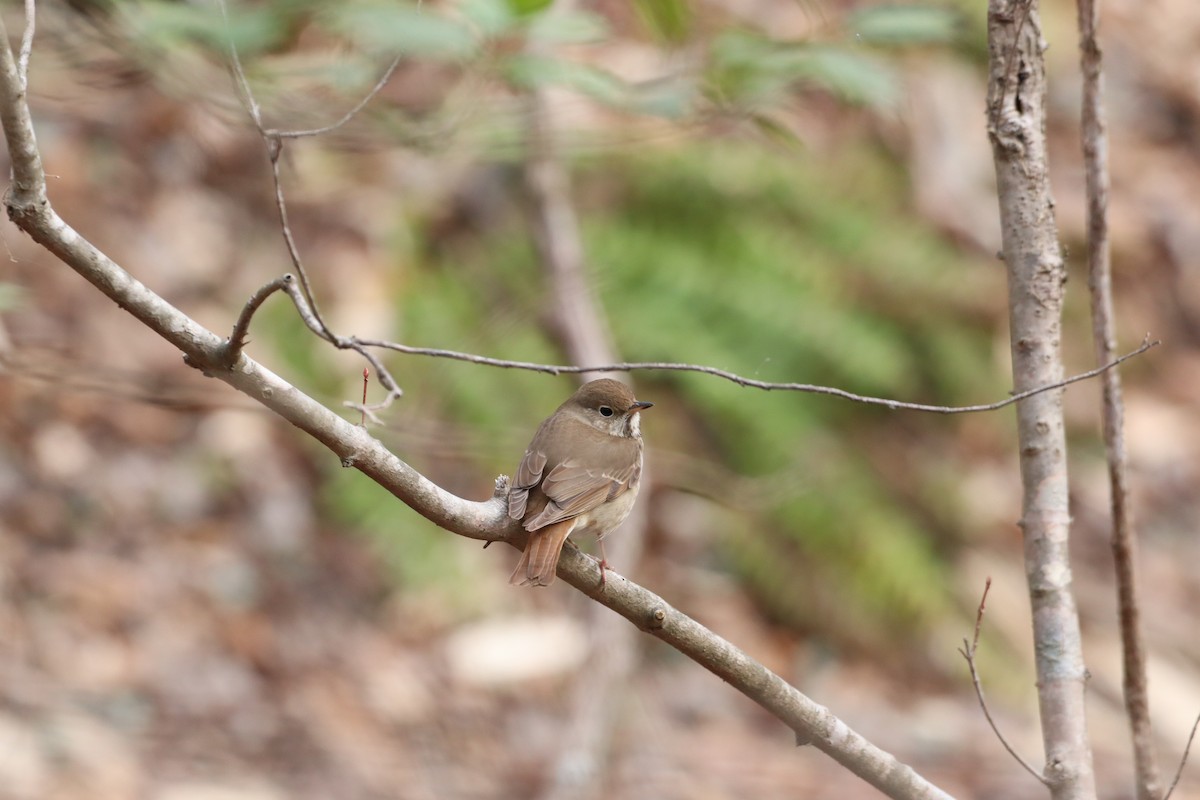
(237, 338)
(565, 369)
(1036, 279)
(305, 298)
(314, 324)
(1094, 139)
(275, 148)
(1183, 759)
(27, 42)
(252, 106)
(28, 193)
(968, 651)
(274, 143)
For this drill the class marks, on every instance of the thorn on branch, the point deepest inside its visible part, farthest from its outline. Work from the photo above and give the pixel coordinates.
(968, 651)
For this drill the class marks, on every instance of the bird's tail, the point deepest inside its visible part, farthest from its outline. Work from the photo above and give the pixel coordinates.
(540, 559)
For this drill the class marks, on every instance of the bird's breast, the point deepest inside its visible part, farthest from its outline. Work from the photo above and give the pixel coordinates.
(606, 517)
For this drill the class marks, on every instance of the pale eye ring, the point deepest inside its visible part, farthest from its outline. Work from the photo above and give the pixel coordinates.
(605, 411)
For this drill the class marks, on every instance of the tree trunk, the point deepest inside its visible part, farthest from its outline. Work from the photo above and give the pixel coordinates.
(1036, 280)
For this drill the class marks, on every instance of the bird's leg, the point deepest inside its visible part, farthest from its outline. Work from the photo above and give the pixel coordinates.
(603, 565)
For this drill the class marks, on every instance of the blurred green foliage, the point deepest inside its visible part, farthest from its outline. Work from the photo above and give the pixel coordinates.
(751, 68)
(904, 25)
(11, 296)
(669, 21)
(741, 69)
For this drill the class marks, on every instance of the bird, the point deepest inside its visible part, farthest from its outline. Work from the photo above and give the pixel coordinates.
(581, 472)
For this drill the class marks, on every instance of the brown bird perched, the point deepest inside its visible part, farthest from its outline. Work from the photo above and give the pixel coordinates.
(580, 473)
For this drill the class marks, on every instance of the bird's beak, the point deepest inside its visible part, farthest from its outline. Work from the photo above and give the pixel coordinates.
(639, 405)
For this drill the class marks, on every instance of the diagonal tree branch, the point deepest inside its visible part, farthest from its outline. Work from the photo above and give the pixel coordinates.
(1124, 537)
(30, 209)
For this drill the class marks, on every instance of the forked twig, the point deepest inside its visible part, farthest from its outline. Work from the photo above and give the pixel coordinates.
(305, 298)
(313, 323)
(968, 652)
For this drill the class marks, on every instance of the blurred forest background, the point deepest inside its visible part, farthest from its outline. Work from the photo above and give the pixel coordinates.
(197, 603)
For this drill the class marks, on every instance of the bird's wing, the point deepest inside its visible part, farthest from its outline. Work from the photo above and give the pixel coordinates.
(529, 475)
(573, 489)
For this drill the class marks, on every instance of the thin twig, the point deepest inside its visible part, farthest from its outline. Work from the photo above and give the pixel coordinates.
(1183, 759)
(237, 338)
(274, 143)
(239, 73)
(979, 612)
(366, 379)
(968, 652)
(313, 323)
(287, 283)
(564, 369)
(305, 298)
(1094, 140)
(27, 42)
(275, 150)
(349, 115)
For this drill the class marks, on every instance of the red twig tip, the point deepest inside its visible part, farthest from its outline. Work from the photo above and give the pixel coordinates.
(363, 411)
(987, 586)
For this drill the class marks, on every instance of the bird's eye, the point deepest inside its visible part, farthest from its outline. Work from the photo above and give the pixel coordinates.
(605, 411)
